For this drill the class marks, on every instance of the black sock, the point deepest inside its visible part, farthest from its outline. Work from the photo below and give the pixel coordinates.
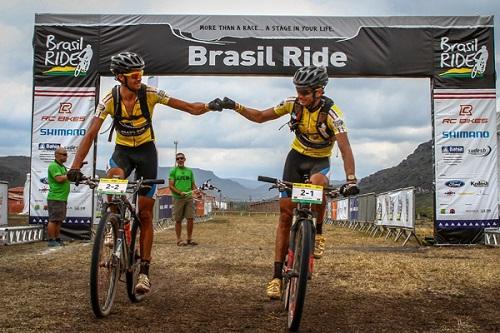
(278, 270)
(144, 267)
(319, 229)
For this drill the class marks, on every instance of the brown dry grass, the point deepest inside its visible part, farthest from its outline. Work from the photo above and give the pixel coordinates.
(363, 284)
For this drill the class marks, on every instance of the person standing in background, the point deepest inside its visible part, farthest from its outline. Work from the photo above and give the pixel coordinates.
(57, 197)
(183, 186)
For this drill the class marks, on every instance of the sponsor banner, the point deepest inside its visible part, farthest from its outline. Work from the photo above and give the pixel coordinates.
(395, 46)
(353, 209)
(61, 117)
(464, 58)
(396, 209)
(65, 56)
(465, 132)
(342, 210)
(4, 202)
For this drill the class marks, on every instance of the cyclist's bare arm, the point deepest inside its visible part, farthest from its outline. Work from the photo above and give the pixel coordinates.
(86, 142)
(258, 116)
(196, 108)
(346, 151)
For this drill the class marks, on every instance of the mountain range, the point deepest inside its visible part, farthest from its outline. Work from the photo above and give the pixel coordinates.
(415, 170)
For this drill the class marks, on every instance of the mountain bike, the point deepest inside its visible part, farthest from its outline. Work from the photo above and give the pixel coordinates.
(299, 261)
(116, 250)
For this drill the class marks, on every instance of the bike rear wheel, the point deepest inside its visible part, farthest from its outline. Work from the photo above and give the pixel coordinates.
(298, 280)
(134, 264)
(105, 266)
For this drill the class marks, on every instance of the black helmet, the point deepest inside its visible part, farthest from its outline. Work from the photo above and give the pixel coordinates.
(124, 62)
(310, 77)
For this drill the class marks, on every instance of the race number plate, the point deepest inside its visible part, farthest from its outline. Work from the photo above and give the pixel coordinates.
(307, 193)
(112, 186)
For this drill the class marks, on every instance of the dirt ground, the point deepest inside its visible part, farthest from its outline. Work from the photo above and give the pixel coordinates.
(362, 284)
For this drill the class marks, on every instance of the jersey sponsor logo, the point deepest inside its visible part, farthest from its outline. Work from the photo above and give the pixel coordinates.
(63, 131)
(466, 134)
(465, 59)
(67, 57)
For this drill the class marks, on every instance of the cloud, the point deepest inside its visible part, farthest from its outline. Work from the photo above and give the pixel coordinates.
(387, 118)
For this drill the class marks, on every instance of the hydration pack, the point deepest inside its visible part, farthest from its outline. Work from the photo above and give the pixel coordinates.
(321, 124)
(123, 128)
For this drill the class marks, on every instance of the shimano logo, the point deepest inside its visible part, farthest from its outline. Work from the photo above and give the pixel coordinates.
(466, 134)
(63, 131)
(452, 149)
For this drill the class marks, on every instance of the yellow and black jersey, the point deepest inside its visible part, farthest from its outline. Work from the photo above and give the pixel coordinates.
(153, 97)
(307, 126)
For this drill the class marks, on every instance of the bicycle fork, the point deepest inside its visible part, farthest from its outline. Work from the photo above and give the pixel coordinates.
(288, 270)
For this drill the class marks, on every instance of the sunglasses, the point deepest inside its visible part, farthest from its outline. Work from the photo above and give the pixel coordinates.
(304, 92)
(62, 154)
(134, 75)
(180, 158)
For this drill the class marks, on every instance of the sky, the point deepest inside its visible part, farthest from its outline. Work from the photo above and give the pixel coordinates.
(387, 118)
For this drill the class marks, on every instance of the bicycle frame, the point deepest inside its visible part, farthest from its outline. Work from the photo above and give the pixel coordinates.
(122, 249)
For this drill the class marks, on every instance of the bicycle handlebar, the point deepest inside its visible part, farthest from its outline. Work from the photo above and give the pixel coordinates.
(92, 182)
(283, 184)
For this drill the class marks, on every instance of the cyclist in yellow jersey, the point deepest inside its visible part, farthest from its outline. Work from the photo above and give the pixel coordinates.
(318, 123)
(135, 148)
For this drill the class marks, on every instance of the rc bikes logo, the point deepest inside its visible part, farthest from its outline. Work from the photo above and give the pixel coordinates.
(462, 60)
(67, 58)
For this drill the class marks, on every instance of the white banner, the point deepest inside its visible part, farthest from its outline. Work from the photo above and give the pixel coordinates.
(465, 130)
(4, 202)
(396, 209)
(61, 117)
(343, 209)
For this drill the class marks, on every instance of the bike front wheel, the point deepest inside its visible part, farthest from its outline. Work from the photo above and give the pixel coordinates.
(296, 289)
(105, 266)
(134, 263)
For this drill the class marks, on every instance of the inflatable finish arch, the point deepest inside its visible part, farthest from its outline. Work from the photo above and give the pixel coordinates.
(456, 53)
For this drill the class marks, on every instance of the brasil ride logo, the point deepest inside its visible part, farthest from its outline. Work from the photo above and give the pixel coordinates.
(462, 60)
(67, 58)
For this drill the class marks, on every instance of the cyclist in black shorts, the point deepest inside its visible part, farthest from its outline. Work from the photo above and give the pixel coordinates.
(317, 123)
(131, 105)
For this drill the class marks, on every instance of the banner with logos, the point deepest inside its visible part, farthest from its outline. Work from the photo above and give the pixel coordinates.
(456, 52)
(466, 160)
(396, 208)
(61, 118)
(342, 210)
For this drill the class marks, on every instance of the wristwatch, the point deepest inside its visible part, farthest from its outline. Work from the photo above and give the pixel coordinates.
(351, 177)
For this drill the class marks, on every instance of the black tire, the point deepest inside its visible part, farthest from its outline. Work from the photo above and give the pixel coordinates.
(134, 263)
(298, 282)
(105, 266)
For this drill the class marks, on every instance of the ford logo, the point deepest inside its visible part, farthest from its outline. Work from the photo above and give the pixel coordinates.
(454, 183)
